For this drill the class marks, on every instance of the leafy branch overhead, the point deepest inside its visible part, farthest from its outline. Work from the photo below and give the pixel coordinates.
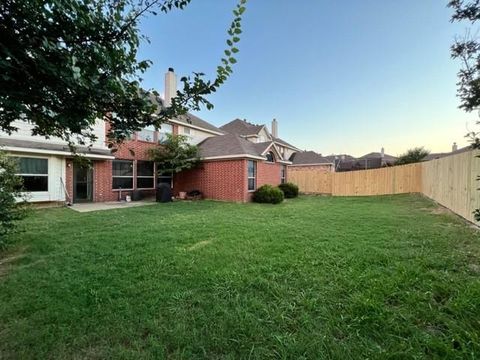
(467, 51)
(66, 63)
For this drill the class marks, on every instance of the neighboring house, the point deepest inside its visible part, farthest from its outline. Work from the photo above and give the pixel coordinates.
(342, 162)
(310, 160)
(455, 150)
(233, 165)
(373, 160)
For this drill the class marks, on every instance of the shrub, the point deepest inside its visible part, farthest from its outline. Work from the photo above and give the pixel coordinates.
(10, 188)
(268, 194)
(290, 190)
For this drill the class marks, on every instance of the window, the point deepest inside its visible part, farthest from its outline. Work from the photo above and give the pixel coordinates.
(270, 157)
(252, 174)
(122, 174)
(145, 175)
(34, 172)
(283, 174)
(186, 130)
(163, 131)
(147, 134)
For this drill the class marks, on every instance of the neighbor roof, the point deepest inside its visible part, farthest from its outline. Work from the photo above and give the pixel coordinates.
(308, 158)
(377, 155)
(241, 127)
(340, 157)
(434, 156)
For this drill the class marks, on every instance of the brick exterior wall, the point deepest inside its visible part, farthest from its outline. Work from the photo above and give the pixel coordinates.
(220, 180)
(226, 180)
(268, 173)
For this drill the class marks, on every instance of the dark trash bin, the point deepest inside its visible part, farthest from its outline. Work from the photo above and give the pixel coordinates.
(137, 195)
(163, 193)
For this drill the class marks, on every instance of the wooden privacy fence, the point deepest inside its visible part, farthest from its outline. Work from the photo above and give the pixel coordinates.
(450, 181)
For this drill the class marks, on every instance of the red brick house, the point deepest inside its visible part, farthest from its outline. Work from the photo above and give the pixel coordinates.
(234, 163)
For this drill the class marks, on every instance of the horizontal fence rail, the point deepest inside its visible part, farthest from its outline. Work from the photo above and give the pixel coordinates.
(450, 181)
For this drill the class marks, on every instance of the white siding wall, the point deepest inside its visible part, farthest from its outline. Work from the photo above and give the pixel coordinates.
(195, 136)
(24, 132)
(56, 170)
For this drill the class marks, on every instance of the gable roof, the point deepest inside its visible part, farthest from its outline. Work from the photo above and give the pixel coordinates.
(227, 145)
(241, 127)
(244, 128)
(234, 146)
(284, 143)
(309, 158)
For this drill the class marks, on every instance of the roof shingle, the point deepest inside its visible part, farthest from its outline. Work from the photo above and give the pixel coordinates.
(308, 158)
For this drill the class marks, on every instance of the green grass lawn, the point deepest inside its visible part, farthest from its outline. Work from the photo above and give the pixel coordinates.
(314, 277)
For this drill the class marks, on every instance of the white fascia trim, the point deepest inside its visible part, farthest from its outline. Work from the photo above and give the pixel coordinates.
(239, 156)
(268, 148)
(194, 127)
(54, 152)
(284, 162)
(287, 146)
(317, 164)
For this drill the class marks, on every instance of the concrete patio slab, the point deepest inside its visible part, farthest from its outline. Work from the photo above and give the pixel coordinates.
(87, 207)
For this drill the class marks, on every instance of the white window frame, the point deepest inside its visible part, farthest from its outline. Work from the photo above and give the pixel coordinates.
(254, 177)
(146, 132)
(162, 135)
(36, 175)
(283, 174)
(144, 177)
(125, 177)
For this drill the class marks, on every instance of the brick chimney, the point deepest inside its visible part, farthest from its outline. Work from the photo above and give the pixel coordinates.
(454, 147)
(274, 128)
(170, 86)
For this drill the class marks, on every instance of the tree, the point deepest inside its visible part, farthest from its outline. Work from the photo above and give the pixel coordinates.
(412, 156)
(467, 50)
(66, 63)
(10, 189)
(175, 155)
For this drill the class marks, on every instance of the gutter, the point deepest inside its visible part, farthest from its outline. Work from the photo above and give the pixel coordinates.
(55, 152)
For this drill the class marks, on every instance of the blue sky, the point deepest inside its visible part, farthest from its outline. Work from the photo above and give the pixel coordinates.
(339, 76)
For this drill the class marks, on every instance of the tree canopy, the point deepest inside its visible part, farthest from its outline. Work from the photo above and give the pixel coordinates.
(412, 156)
(467, 50)
(66, 63)
(175, 155)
